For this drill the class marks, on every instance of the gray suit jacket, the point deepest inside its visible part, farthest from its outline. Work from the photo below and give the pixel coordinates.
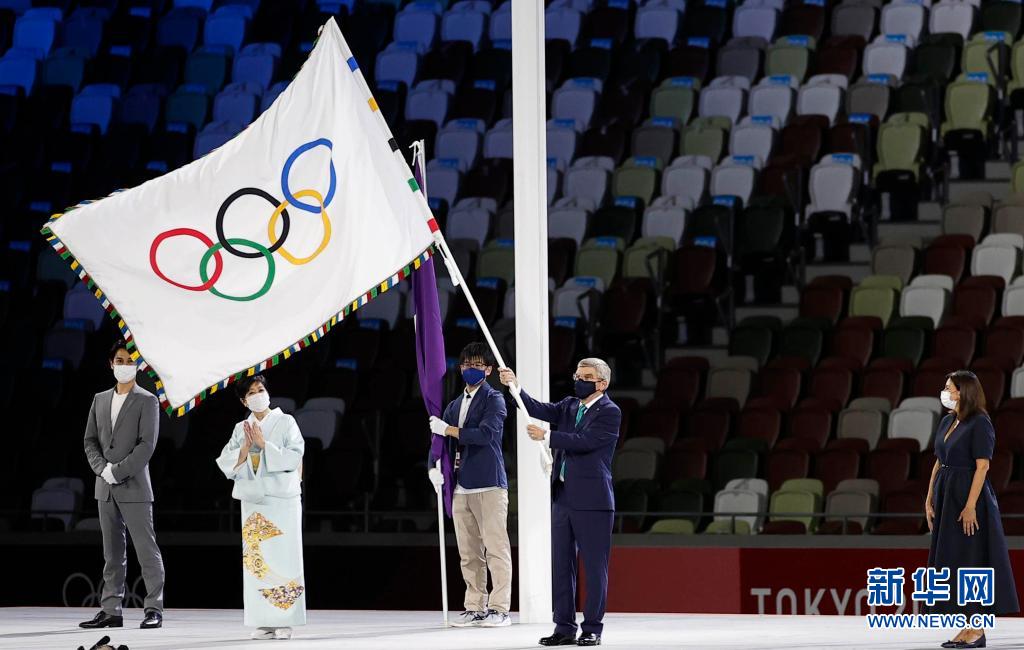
(128, 445)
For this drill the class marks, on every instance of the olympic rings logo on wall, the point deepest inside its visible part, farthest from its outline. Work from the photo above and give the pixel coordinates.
(230, 245)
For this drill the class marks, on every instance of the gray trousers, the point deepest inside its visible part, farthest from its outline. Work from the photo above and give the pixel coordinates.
(137, 519)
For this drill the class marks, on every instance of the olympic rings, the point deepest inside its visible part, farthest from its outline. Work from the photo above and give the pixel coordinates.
(180, 232)
(280, 211)
(263, 250)
(224, 209)
(324, 142)
(224, 243)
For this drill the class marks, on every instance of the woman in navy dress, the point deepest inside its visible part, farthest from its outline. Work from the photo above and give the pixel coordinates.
(961, 507)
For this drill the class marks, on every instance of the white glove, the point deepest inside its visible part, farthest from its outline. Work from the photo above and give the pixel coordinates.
(108, 474)
(546, 462)
(436, 477)
(438, 426)
(546, 459)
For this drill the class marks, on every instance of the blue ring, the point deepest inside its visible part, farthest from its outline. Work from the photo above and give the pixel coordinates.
(315, 209)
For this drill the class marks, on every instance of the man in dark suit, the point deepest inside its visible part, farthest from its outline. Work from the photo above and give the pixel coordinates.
(120, 437)
(476, 419)
(583, 435)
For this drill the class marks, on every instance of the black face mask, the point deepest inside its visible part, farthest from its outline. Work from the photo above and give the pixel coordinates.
(584, 388)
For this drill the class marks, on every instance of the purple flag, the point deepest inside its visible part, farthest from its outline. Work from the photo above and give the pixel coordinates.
(430, 361)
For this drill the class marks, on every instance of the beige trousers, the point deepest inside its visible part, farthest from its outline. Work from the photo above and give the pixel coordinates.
(481, 529)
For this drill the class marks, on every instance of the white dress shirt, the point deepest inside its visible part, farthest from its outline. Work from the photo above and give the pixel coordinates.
(467, 399)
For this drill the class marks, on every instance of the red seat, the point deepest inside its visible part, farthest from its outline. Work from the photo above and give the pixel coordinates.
(883, 382)
(956, 343)
(693, 271)
(1005, 342)
(811, 424)
(700, 364)
(837, 60)
(678, 387)
(1009, 426)
(800, 444)
(945, 260)
(657, 422)
(931, 376)
(901, 502)
(685, 464)
(842, 363)
(857, 445)
(901, 364)
(784, 528)
(890, 467)
(975, 305)
(842, 282)
(908, 445)
(822, 302)
(781, 385)
(857, 344)
(1012, 503)
(784, 464)
(959, 240)
(993, 382)
(710, 426)
(873, 323)
(762, 424)
(832, 386)
(802, 20)
(834, 465)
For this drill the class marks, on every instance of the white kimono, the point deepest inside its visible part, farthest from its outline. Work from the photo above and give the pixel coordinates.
(268, 484)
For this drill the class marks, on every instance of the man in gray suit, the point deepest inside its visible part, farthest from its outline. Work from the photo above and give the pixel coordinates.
(120, 437)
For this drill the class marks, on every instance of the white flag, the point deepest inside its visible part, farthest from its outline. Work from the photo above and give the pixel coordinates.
(234, 262)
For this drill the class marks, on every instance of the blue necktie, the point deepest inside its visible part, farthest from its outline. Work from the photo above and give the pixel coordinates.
(579, 416)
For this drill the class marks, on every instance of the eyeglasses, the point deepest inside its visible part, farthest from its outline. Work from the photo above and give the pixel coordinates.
(477, 366)
(593, 379)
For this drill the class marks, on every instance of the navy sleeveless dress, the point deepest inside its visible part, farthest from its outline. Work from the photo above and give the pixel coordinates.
(973, 438)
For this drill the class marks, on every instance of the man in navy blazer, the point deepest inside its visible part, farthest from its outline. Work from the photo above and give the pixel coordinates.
(583, 435)
(476, 418)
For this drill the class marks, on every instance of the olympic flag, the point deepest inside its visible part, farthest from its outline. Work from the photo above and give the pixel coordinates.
(240, 259)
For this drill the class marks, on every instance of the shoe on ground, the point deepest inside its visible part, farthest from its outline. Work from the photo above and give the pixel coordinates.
(153, 620)
(494, 618)
(263, 634)
(101, 620)
(469, 618)
(558, 639)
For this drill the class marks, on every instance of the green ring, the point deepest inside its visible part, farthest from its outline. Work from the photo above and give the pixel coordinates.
(263, 250)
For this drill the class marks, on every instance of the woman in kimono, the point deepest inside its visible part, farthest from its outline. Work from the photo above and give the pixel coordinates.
(961, 507)
(264, 459)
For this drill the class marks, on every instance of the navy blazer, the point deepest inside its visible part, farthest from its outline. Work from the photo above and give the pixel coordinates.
(587, 449)
(482, 463)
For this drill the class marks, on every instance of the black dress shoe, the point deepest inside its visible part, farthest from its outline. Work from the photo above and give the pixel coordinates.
(558, 639)
(153, 620)
(979, 643)
(949, 644)
(589, 639)
(103, 619)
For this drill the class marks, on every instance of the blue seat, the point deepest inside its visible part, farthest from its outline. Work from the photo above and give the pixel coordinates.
(187, 105)
(463, 23)
(235, 105)
(93, 108)
(203, 5)
(443, 180)
(18, 69)
(576, 100)
(561, 139)
(271, 94)
(657, 21)
(416, 24)
(254, 66)
(460, 140)
(225, 29)
(83, 31)
(501, 23)
(179, 28)
(102, 90)
(214, 135)
(141, 106)
(483, 6)
(562, 23)
(64, 68)
(35, 34)
(427, 102)
(81, 304)
(17, 6)
(207, 68)
(399, 62)
(498, 141)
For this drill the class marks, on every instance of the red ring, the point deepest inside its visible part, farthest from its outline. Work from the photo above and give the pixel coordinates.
(218, 262)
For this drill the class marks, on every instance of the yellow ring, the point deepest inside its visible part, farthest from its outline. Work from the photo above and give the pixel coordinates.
(271, 230)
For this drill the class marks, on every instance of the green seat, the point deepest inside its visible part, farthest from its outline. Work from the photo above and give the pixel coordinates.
(187, 106)
(672, 527)
(986, 52)
(734, 463)
(812, 485)
(639, 177)
(751, 342)
(676, 98)
(707, 141)
(66, 70)
(873, 301)
(802, 342)
(497, 260)
(790, 55)
(739, 527)
(599, 258)
(799, 506)
(901, 143)
(883, 282)
(207, 69)
(717, 121)
(1017, 177)
(968, 106)
(647, 257)
(904, 343)
(1016, 63)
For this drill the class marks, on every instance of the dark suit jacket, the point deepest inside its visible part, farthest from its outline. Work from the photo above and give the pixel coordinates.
(587, 449)
(128, 445)
(482, 463)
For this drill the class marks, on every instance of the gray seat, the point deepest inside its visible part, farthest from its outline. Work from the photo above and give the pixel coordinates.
(869, 97)
(636, 464)
(319, 424)
(730, 382)
(851, 507)
(964, 219)
(871, 404)
(898, 260)
(850, 19)
(868, 425)
(741, 59)
(914, 423)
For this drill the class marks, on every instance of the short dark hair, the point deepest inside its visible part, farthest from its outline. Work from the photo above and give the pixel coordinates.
(972, 395)
(119, 344)
(243, 385)
(477, 350)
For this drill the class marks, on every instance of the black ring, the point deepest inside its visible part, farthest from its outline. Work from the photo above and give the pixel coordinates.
(285, 222)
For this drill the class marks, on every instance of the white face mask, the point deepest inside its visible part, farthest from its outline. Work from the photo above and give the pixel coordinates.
(125, 374)
(258, 402)
(947, 400)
